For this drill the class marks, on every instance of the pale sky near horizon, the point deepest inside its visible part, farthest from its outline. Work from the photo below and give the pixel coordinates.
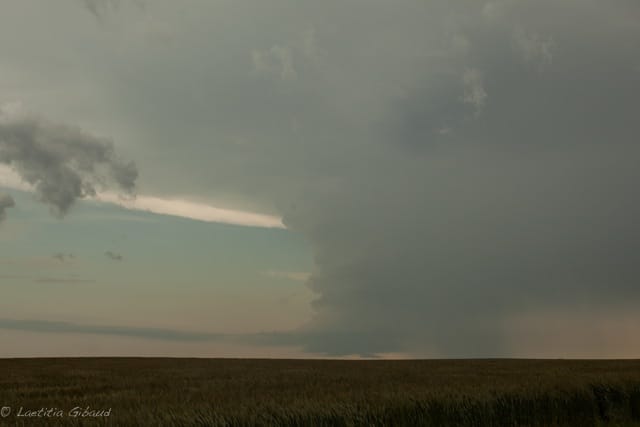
(319, 179)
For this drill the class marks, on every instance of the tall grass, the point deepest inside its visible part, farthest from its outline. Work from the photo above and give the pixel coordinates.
(235, 392)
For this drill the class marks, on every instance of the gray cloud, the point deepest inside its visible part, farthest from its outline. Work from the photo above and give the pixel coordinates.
(6, 201)
(432, 245)
(62, 162)
(113, 256)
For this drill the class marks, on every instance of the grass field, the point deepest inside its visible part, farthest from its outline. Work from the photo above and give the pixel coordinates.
(236, 392)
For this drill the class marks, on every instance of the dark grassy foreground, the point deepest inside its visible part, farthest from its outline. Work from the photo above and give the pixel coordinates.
(165, 392)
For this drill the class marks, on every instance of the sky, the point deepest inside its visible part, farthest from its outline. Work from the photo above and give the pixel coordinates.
(354, 178)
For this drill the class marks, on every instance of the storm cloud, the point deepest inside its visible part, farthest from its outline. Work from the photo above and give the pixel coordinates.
(451, 166)
(63, 163)
(455, 167)
(498, 179)
(432, 242)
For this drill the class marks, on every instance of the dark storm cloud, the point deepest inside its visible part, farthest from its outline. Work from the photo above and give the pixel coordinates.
(6, 201)
(504, 185)
(62, 162)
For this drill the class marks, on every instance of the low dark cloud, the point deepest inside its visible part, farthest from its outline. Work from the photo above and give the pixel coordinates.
(62, 162)
(6, 201)
(57, 327)
(45, 326)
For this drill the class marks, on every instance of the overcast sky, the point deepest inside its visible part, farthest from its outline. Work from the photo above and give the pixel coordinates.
(320, 179)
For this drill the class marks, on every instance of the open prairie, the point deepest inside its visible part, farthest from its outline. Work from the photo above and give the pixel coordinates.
(248, 392)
